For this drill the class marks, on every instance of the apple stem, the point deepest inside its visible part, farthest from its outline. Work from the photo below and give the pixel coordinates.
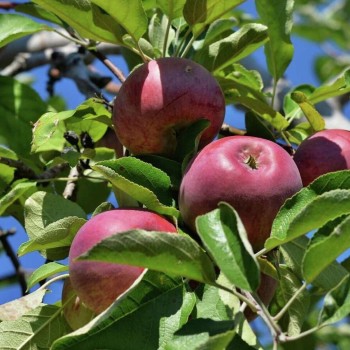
(251, 161)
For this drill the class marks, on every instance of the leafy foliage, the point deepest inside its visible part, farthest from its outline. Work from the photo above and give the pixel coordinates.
(196, 291)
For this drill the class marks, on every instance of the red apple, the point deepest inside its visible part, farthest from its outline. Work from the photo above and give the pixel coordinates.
(324, 152)
(160, 98)
(98, 284)
(253, 175)
(74, 310)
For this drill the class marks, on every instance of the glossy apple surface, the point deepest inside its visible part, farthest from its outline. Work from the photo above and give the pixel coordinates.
(322, 153)
(160, 98)
(98, 284)
(253, 175)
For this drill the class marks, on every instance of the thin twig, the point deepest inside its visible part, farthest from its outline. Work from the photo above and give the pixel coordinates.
(290, 302)
(115, 70)
(71, 186)
(14, 259)
(228, 130)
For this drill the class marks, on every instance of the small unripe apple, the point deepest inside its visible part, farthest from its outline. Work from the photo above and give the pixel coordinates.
(75, 311)
(253, 175)
(96, 283)
(324, 152)
(160, 98)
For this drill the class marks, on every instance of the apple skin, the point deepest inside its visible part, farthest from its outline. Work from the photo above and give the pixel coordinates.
(162, 97)
(323, 152)
(253, 175)
(266, 292)
(75, 312)
(96, 283)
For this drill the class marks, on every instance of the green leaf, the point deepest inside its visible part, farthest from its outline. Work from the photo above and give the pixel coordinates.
(203, 333)
(15, 309)
(54, 240)
(134, 320)
(15, 26)
(199, 14)
(172, 8)
(277, 16)
(89, 20)
(330, 242)
(170, 253)
(298, 310)
(233, 48)
(299, 133)
(171, 167)
(261, 108)
(38, 12)
(224, 237)
(43, 209)
(160, 34)
(255, 126)
(129, 14)
(188, 141)
(339, 87)
(48, 132)
(291, 108)
(20, 107)
(45, 271)
(336, 304)
(315, 119)
(323, 200)
(217, 30)
(140, 180)
(36, 329)
(293, 253)
(20, 191)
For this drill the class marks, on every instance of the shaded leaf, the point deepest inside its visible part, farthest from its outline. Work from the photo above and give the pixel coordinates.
(198, 14)
(293, 253)
(329, 242)
(89, 20)
(224, 237)
(141, 181)
(323, 200)
(298, 310)
(172, 8)
(336, 304)
(20, 107)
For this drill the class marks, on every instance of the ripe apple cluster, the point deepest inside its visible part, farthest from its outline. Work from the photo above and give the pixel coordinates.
(254, 175)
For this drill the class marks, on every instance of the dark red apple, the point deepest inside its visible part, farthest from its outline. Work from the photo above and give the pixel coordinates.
(98, 284)
(75, 312)
(160, 98)
(253, 175)
(324, 152)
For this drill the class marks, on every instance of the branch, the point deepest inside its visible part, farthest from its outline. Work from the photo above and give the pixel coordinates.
(14, 260)
(70, 190)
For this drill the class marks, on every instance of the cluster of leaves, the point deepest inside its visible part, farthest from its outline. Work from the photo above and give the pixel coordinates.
(36, 165)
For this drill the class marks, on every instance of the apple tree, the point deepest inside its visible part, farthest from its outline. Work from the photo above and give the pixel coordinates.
(165, 225)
